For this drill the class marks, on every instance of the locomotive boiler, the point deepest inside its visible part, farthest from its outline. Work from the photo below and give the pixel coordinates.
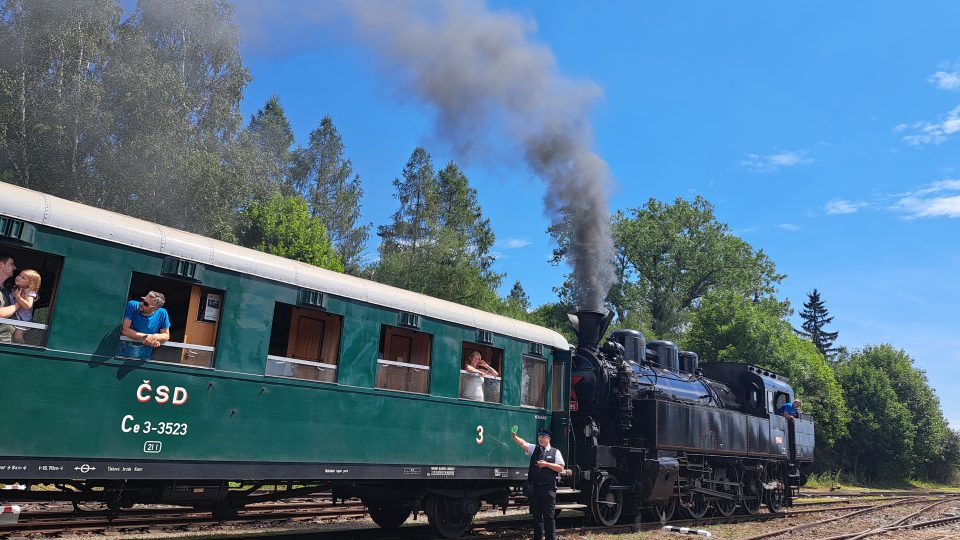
(654, 431)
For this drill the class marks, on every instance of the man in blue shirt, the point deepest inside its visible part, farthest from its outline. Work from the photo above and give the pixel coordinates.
(790, 411)
(147, 324)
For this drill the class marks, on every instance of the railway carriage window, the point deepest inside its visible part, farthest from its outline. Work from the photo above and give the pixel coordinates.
(475, 387)
(23, 269)
(753, 395)
(533, 384)
(404, 362)
(558, 387)
(779, 400)
(194, 318)
(304, 344)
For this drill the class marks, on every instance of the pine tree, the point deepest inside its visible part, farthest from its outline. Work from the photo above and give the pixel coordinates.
(416, 221)
(518, 296)
(271, 136)
(438, 242)
(325, 177)
(516, 304)
(815, 317)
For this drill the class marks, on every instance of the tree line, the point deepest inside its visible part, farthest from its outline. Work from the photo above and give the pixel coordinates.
(140, 113)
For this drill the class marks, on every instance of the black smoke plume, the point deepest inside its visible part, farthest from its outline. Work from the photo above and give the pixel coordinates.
(480, 72)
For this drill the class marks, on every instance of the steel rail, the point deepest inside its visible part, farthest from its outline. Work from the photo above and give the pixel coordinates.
(810, 525)
(185, 517)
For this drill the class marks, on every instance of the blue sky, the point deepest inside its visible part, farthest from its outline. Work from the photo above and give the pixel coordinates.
(825, 133)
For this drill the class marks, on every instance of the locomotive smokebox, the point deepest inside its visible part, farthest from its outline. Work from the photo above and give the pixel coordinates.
(589, 327)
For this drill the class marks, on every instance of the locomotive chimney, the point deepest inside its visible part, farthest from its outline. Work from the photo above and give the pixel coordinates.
(589, 327)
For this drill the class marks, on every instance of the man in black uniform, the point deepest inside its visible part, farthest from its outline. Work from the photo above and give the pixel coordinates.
(546, 463)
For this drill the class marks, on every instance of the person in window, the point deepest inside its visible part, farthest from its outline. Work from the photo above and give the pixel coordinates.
(476, 370)
(147, 324)
(790, 411)
(25, 292)
(546, 463)
(7, 306)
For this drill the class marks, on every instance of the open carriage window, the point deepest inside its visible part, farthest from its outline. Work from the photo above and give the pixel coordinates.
(304, 344)
(29, 279)
(190, 311)
(533, 384)
(404, 362)
(482, 382)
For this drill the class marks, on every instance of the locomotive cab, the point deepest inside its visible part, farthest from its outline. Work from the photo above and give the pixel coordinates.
(762, 393)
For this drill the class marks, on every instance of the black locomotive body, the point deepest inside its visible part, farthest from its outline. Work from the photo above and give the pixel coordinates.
(652, 431)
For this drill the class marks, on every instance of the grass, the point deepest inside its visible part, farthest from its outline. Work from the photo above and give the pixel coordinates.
(837, 481)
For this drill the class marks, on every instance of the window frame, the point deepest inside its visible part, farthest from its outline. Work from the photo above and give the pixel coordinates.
(486, 351)
(150, 281)
(776, 396)
(332, 329)
(27, 251)
(387, 332)
(543, 362)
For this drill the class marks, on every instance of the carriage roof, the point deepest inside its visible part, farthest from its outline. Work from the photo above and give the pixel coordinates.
(58, 213)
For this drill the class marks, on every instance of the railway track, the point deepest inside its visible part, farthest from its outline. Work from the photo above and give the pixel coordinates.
(320, 511)
(898, 524)
(58, 522)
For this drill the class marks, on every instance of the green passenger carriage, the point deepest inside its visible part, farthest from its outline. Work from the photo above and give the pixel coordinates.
(276, 372)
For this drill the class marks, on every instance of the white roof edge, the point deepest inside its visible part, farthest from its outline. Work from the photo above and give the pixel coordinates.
(40, 208)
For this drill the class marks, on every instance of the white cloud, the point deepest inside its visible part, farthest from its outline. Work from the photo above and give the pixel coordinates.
(942, 185)
(946, 80)
(514, 243)
(935, 200)
(939, 199)
(934, 133)
(840, 206)
(789, 227)
(775, 161)
(916, 207)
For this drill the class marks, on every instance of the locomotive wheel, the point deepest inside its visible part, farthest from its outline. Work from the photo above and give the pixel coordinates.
(663, 512)
(698, 508)
(606, 504)
(752, 493)
(726, 508)
(387, 515)
(448, 517)
(775, 498)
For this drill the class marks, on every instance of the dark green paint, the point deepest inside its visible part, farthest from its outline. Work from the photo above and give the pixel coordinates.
(69, 399)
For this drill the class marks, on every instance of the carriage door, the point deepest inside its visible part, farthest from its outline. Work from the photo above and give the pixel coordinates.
(560, 401)
(201, 326)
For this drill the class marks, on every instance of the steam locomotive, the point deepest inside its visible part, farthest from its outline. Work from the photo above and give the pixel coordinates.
(653, 431)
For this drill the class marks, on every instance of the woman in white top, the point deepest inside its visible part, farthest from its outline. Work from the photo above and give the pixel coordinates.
(476, 370)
